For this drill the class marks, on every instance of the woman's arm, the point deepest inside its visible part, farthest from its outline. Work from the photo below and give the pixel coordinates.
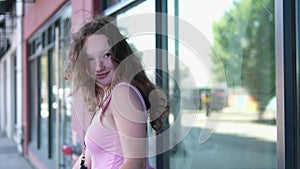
(130, 120)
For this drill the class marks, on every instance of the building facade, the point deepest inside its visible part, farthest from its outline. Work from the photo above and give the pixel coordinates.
(11, 70)
(230, 70)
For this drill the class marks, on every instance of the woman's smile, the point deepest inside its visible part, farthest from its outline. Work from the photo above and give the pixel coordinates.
(102, 75)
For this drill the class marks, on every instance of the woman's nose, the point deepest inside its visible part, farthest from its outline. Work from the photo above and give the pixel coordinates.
(99, 64)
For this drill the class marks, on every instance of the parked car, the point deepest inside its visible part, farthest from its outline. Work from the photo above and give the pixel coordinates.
(216, 100)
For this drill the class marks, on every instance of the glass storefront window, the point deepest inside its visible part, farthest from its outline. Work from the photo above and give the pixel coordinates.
(222, 91)
(32, 108)
(108, 3)
(53, 100)
(43, 104)
(64, 91)
(140, 41)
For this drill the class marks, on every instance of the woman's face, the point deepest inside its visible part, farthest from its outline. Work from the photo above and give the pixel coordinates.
(99, 59)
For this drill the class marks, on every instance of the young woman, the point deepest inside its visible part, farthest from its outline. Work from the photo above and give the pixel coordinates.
(118, 94)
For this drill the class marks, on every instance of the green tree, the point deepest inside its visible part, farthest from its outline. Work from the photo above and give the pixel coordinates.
(244, 43)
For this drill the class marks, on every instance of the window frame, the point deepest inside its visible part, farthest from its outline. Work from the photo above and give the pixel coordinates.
(286, 80)
(119, 7)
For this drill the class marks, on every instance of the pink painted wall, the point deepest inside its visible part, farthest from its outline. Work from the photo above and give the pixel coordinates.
(37, 13)
(83, 11)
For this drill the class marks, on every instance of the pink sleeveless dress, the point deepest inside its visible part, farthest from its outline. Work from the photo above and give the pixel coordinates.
(105, 146)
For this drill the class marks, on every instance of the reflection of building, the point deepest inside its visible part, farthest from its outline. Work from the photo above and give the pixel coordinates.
(35, 108)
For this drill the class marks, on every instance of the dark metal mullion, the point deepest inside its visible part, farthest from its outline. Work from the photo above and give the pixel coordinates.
(50, 139)
(162, 80)
(39, 103)
(290, 100)
(161, 40)
(297, 19)
(15, 92)
(36, 104)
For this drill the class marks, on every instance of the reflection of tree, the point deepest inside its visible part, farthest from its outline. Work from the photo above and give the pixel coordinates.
(244, 43)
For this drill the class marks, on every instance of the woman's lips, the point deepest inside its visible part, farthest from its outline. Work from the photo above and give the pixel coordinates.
(101, 75)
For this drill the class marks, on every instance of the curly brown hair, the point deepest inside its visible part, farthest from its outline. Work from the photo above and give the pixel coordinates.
(128, 68)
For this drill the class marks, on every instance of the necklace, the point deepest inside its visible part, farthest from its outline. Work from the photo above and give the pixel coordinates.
(108, 92)
(105, 97)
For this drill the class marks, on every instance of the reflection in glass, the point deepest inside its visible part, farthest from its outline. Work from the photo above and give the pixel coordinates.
(54, 102)
(44, 103)
(140, 41)
(108, 3)
(33, 95)
(224, 99)
(64, 90)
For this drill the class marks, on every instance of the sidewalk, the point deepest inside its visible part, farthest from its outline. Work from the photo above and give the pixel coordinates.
(9, 156)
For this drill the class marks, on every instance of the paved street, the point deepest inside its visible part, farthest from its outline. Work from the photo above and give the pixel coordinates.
(9, 156)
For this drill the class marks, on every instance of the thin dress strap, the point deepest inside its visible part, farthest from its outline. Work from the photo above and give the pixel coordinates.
(105, 104)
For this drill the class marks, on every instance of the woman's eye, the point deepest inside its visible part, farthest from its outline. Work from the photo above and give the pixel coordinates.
(90, 59)
(107, 55)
